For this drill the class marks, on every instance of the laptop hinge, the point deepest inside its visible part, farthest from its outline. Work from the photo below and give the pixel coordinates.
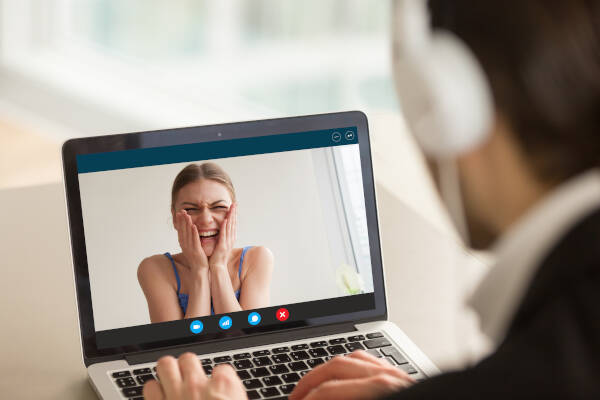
(240, 343)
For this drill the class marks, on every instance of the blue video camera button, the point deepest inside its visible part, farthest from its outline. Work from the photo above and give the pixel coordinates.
(196, 326)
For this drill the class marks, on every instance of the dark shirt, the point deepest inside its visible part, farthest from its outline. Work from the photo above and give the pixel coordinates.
(552, 347)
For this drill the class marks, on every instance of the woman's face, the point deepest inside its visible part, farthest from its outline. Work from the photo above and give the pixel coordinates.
(207, 202)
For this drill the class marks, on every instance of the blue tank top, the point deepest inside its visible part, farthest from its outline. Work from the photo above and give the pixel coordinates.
(183, 297)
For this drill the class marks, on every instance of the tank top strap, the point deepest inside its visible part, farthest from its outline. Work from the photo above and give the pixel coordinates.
(174, 270)
(244, 250)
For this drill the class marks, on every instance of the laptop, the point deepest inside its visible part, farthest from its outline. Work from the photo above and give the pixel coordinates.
(304, 279)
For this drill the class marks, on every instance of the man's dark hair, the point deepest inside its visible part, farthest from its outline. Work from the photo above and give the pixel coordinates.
(542, 58)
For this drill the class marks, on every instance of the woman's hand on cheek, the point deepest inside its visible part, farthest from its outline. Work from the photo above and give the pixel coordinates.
(227, 233)
(189, 240)
(185, 379)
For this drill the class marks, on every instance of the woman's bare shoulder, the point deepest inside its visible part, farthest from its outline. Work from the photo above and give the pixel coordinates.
(260, 257)
(260, 252)
(157, 263)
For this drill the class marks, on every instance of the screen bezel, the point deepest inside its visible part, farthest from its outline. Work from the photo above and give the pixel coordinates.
(169, 137)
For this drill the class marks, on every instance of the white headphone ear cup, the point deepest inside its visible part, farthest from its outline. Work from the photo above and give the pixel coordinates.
(444, 96)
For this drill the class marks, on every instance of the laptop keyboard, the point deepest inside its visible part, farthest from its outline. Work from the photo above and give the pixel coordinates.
(273, 372)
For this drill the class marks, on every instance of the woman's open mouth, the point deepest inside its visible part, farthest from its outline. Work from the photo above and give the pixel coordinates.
(207, 235)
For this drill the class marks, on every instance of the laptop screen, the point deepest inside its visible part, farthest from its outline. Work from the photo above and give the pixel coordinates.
(191, 241)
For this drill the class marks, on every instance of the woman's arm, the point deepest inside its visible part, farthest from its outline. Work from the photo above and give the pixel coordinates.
(199, 295)
(198, 285)
(160, 296)
(256, 285)
(221, 289)
(223, 296)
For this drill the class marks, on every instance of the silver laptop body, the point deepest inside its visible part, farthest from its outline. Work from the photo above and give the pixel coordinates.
(306, 192)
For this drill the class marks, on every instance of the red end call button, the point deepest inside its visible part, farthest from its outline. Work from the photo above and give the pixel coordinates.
(282, 314)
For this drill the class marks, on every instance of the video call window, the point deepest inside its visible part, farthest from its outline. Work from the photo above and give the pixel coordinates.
(300, 224)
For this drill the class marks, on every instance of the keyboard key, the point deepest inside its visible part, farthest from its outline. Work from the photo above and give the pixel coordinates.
(145, 378)
(222, 359)
(242, 356)
(302, 373)
(390, 360)
(409, 369)
(287, 388)
(374, 335)
(278, 369)
(261, 353)
(260, 372)
(142, 371)
(228, 363)
(314, 362)
(207, 369)
(252, 395)
(243, 364)
(121, 374)
(243, 374)
(132, 391)
(302, 346)
(206, 361)
(337, 349)
(125, 382)
(318, 352)
(353, 346)
(395, 354)
(272, 380)
(252, 384)
(281, 358)
(355, 338)
(297, 366)
(278, 350)
(337, 341)
(137, 398)
(320, 343)
(379, 342)
(262, 361)
(291, 377)
(269, 392)
(299, 355)
(374, 352)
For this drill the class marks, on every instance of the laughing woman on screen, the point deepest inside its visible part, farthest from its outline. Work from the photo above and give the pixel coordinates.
(209, 276)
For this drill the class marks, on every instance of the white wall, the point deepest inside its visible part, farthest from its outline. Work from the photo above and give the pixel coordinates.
(127, 217)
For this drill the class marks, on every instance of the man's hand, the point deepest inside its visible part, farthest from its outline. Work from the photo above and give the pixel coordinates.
(185, 379)
(356, 376)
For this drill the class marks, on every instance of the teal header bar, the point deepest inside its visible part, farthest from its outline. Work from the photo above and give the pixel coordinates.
(134, 158)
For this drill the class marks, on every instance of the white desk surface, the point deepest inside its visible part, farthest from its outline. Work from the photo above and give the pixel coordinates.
(39, 340)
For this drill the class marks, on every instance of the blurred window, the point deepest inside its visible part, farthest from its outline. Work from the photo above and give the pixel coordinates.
(199, 60)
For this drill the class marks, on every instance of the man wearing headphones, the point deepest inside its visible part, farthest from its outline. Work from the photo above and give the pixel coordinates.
(504, 99)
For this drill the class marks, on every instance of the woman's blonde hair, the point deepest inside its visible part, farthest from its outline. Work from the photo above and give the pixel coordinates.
(195, 172)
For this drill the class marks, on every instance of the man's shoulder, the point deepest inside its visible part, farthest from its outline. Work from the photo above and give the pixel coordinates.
(574, 258)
